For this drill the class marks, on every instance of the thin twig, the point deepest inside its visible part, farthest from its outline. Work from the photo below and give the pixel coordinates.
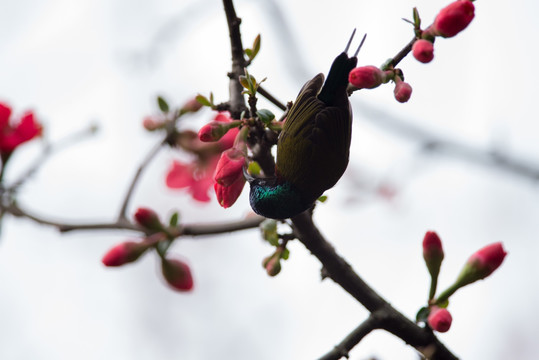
(153, 152)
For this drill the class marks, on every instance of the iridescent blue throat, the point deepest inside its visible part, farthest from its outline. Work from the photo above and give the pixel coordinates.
(276, 201)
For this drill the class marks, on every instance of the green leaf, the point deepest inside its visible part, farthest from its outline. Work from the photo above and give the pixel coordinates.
(174, 219)
(417, 19)
(249, 53)
(203, 100)
(323, 198)
(211, 99)
(254, 168)
(265, 116)
(285, 254)
(256, 46)
(163, 105)
(422, 314)
(244, 81)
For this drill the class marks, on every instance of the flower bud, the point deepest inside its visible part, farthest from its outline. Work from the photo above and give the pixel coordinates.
(453, 19)
(147, 218)
(366, 77)
(402, 91)
(230, 167)
(439, 319)
(482, 263)
(423, 51)
(151, 124)
(272, 264)
(124, 253)
(227, 195)
(433, 252)
(213, 131)
(177, 274)
(191, 106)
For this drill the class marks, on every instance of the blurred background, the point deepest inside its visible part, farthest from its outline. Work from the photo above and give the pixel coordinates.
(423, 165)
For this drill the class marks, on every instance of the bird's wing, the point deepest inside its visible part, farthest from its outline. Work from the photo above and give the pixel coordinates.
(312, 152)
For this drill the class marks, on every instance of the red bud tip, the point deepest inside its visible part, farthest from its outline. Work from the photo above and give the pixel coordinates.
(453, 18)
(439, 319)
(366, 77)
(487, 259)
(432, 245)
(212, 131)
(402, 91)
(227, 195)
(124, 253)
(423, 51)
(147, 218)
(177, 274)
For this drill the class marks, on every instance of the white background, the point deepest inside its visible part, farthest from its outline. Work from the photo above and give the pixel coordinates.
(82, 62)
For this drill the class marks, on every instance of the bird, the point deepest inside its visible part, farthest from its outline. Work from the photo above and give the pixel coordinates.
(313, 147)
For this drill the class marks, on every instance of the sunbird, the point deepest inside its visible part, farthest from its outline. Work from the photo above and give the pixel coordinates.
(313, 146)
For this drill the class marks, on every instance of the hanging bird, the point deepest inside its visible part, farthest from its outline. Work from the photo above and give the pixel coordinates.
(313, 147)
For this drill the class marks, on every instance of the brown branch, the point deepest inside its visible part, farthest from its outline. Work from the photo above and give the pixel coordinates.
(342, 273)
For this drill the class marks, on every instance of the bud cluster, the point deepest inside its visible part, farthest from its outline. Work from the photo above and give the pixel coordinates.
(14, 134)
(480, 265)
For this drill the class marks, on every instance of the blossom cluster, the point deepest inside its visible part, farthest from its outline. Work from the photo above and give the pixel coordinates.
(14, 133)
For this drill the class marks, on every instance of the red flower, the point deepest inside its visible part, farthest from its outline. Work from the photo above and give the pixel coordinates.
(11, 135)
(124, 253)
(453, 18)
(423, 51)
(177, 274)
(402, 91)
(366, 77)
(439, 319)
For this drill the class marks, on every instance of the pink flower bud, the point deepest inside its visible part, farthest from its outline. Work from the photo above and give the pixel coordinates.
(177, 274)
(230, 167)
(272, 264)
(402, 91)
(5, 113)
(433, 252)
(227, 195)
(482, 263)
(147, 218)
(423, 51)
(213, 131)
(453, 19)
(124, 253)
(366, 77)
(191, 106)
(151, 124)
(439, 319)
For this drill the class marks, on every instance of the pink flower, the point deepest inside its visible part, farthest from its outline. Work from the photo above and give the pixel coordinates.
(124, 253)
(197, 176)
(147, 218)
(177, 274)
(230, 167)
(212, 131)
(423, 51)
(439, 319)
(453, 19)
(13, 135)
(402, 91)
(366, 77)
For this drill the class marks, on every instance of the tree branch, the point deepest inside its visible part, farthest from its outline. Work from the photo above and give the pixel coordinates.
(342, 273)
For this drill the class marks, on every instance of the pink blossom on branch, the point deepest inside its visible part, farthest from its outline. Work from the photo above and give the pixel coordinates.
(230, 167)
(482, 263)
(227, 195)
(452, 19)
(423, 51)
(366, 77)
(124, 253)
(433, 252)
(177, 274)
(402, 92)
(148, 219)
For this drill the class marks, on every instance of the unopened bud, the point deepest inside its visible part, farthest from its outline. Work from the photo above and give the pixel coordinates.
(366, 77)
(272, 264)
(482, 263)
(439, 319)
(423, 51)
(453, 19)
(191, 106)
(230, 167)
(177, 274)
(433, 252)
(124, 253)
(402, 91)
(147, 218)
(151, 124)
